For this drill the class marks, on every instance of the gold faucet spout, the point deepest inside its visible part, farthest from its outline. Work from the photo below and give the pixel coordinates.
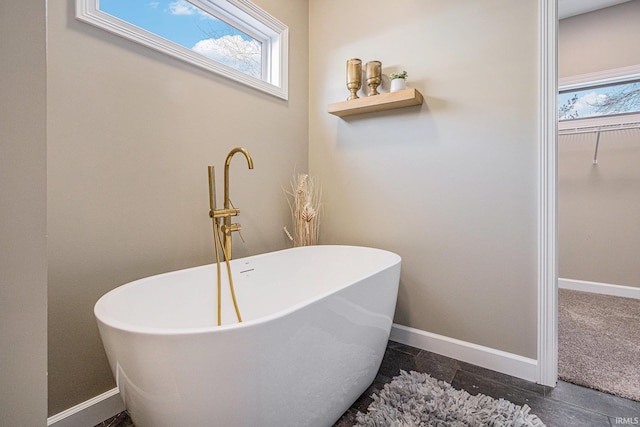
(230, 210)
(227, 162)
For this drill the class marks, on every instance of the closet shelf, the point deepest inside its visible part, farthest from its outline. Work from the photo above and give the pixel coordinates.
(382, 102)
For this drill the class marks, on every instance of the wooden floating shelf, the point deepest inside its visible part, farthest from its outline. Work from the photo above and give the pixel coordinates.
(382, 102)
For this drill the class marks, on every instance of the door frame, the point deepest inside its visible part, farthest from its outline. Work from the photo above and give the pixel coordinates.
(547, 340)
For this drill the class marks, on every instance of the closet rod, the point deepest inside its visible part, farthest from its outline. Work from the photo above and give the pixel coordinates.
(602, 128)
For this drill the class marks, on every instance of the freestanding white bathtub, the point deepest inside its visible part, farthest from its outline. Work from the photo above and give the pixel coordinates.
(316, 321)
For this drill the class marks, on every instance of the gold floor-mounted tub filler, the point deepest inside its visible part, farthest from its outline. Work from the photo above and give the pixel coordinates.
(222, 226)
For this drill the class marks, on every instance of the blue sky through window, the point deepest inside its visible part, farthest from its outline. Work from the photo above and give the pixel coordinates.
(590, 102)
(181, 22)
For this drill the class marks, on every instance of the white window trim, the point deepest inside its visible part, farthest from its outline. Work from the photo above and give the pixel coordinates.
(243, 14)
(592, 79)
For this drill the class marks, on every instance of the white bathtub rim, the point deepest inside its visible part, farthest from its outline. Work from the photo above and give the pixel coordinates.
(146, 330)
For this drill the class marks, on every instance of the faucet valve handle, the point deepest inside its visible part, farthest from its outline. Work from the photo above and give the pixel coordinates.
(240, 232)
(228, 229)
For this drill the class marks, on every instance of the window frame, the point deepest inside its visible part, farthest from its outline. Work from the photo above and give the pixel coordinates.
(600, 78)
(242, 14)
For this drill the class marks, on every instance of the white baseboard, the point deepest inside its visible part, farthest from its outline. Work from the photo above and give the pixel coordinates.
(90, 413)
(486, 357)
(600, 288)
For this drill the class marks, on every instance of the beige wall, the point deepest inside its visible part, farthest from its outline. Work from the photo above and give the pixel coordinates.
(598, 206)
(599, 40)
(23, 262)
(451, 186)
(130, 135)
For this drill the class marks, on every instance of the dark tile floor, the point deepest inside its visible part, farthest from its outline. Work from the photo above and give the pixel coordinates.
(566, 405)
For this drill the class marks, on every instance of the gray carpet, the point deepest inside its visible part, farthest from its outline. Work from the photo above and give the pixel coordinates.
(599, 342)
(415, 399)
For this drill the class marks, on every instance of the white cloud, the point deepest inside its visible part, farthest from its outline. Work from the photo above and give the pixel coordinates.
(181, 7)
(154, 4)
(584, 104)
(234, 51)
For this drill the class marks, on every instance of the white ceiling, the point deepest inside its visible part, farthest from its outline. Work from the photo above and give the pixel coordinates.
(567, 8)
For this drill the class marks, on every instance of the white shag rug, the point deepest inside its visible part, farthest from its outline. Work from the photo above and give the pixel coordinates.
(414, 400)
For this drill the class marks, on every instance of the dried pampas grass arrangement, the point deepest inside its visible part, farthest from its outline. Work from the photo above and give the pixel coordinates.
(304, 202)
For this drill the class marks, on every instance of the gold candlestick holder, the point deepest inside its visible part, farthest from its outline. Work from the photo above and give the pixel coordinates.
(374, 77)
(354, 77)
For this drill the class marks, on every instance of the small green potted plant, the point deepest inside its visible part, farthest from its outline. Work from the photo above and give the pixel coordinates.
(398, 81)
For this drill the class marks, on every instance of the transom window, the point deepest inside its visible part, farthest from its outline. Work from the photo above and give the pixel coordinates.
(600, 100)
(233, 38)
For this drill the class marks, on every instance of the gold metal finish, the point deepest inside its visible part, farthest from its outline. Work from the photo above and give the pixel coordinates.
(228, 228)
(354, 77)
(374, 76)
(223, 213)
(218, 239)
(216, 231)
(221, 222)
(212, 190)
